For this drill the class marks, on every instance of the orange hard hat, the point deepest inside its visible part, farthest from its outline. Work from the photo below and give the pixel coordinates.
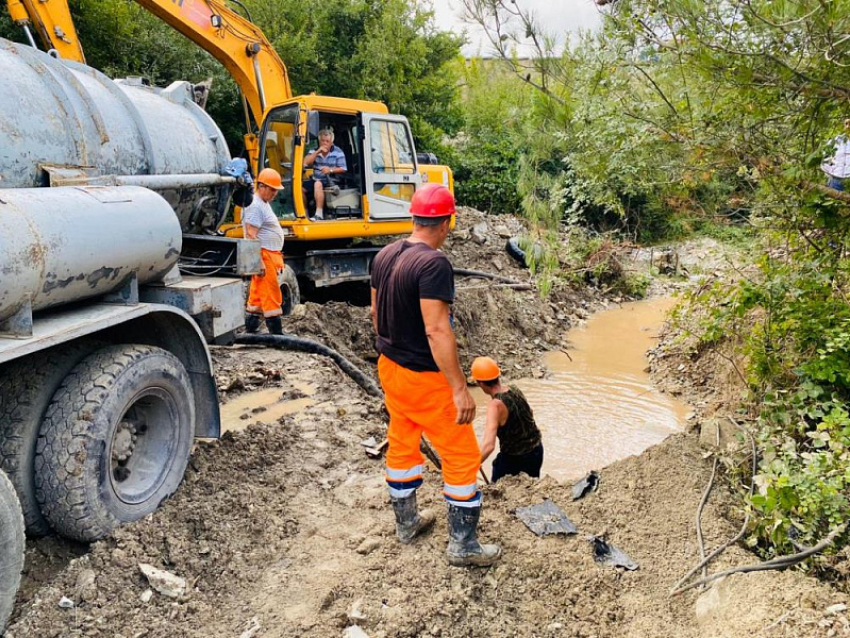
(432, 200)
(271, 178)
(485, 369)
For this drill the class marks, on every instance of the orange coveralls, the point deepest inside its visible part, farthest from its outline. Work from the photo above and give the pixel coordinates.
(422, 402)
(264, 296)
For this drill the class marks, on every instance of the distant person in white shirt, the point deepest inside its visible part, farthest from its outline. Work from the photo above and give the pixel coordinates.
(837, 167)
(259, 222)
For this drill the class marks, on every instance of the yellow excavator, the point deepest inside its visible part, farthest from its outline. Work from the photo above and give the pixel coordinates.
(384, 170)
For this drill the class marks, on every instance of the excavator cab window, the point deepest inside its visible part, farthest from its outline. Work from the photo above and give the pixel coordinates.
(343, 201)
(277, 150)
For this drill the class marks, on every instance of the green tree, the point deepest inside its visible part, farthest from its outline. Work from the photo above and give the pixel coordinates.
(488, 152)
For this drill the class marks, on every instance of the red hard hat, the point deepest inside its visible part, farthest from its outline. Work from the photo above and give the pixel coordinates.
(432, 200)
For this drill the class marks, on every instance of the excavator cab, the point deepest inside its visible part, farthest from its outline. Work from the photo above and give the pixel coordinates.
(372, 197)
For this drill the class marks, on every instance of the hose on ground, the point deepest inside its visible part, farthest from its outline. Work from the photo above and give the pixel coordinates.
(299, 344)
(677, 588)
(480, 274)
(780, 562)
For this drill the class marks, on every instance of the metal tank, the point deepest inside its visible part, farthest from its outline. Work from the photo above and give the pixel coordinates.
(65, 123)
(65, 244)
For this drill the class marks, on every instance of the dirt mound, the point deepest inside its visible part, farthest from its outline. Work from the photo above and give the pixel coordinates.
(343, 327)
(287, 527)
(514, 326)
(478, 243)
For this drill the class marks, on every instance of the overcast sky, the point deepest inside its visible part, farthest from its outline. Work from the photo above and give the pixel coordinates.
(559, 16)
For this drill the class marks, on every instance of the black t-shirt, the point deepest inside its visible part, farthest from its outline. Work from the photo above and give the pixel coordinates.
(403, 273)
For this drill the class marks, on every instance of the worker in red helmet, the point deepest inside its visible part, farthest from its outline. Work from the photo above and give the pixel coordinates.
(259, 222)
(511, 419)
(424, 386)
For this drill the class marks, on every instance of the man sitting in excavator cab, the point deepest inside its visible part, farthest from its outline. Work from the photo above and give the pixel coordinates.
(327, 162)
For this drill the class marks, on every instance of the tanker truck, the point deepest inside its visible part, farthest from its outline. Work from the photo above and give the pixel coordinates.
(113, 281)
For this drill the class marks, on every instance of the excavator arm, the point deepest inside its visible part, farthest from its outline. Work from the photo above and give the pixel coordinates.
(52, 21)
(234, 41)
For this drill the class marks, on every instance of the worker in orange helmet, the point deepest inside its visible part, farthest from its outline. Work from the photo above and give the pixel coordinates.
(511, 419)
(424, 386)
(260, 222)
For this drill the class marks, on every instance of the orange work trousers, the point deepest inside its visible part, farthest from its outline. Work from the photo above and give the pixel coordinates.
(422, 403)
(264, 296)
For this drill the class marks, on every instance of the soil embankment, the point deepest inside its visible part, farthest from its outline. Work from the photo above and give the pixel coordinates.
(284, 529)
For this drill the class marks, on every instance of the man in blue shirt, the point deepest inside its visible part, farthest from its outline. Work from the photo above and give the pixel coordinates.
(327, 160)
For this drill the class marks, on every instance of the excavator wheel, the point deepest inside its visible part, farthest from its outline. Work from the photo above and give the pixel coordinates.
(290, 289)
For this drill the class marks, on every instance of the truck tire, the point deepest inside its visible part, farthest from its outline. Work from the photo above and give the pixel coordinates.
(115, 440)
(290, 289)
(26, 388)
(12, 542)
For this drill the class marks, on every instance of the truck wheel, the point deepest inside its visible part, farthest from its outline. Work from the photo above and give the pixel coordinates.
(26, 388)
(12, 542)
(289, 289)
(115, 440)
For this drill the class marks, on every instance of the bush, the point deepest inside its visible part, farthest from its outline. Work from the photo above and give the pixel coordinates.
(793, 325)
(486, 174)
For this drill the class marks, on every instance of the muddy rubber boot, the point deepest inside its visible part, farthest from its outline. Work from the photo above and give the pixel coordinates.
(409, 521)
(275, 325)
(464, 549)
(252, 322)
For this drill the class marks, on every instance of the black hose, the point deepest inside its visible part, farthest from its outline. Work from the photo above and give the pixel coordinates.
(298, 344)
(466, 272)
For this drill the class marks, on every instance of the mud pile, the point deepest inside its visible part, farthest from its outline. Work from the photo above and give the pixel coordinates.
(513, 326)
(286, 527)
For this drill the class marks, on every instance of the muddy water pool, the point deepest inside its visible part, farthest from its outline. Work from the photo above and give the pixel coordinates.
(265, 406)
(597, 404)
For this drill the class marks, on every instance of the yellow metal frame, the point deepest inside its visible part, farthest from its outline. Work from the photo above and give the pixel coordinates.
(53, 25)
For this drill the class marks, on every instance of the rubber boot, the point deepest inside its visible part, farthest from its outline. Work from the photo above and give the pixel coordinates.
(409, 521)
(275, 325)
(464, 548)
(252, 322)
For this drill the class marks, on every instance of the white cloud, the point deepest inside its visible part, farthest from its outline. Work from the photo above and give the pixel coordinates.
(559, 17)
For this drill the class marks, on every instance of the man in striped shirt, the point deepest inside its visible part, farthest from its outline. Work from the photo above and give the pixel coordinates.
(327, 161)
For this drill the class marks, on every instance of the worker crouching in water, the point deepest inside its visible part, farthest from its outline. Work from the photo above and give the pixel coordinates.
(260, 222)
(424, 386)
(511, 419)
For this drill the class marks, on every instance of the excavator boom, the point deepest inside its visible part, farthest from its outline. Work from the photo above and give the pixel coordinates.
(231, 39)
(53, 24)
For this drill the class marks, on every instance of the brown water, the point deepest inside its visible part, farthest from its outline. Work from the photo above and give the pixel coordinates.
(597, 405)
(266, 406)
